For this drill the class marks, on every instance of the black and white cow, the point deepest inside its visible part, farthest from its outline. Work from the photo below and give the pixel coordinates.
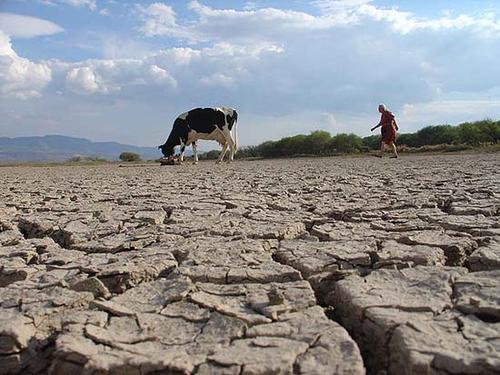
(203, 123)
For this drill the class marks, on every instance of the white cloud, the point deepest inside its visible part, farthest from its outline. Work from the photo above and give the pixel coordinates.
(275, 25)
(107, 77)
(160, 20)
(19, 77)
(218, 79)
(405, 22)
(18, 26)
(250, 5)
(333, 6)
(248, 51)
(230, 24)
(327, 65)
(116, 48)
(329, 119)
(91, 4)
(222, 64)
(6, 46)
(177, 56)
(84, 80)
(262, 23)
(280, 18)
(80, 3)
(162, 77)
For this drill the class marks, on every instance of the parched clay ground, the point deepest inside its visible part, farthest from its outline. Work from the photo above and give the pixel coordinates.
(305, 266)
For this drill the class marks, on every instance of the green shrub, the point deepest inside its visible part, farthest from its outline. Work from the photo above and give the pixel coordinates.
(345, 143)
(372, 142)
(129, 156)
(85, 159)
(408, 139)
(440, 138)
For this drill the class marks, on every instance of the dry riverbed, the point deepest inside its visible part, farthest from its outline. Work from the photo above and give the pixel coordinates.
(302, 266)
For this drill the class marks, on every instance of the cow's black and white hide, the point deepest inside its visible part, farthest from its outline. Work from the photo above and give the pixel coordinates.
(215, 124)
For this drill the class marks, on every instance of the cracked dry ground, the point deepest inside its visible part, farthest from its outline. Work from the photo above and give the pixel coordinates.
(305, 266)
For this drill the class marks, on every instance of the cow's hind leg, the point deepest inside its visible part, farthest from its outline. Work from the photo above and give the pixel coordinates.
(222, 153)
(195, 153)
(232, 151)
(231, 143)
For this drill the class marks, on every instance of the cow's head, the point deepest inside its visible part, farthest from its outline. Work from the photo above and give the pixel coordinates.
(167, 150)
(230, 116)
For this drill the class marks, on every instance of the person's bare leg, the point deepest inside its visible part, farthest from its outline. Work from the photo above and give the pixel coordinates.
(382, 148)
(394, 150)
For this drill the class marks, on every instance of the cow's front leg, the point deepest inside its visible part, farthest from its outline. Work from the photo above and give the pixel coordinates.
(181, 155)
(195, 153)
(222, 153)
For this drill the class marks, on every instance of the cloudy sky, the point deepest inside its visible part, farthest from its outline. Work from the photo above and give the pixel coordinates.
(123, 70)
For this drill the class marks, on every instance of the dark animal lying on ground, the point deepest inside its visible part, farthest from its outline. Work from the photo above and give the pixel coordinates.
(169, 161)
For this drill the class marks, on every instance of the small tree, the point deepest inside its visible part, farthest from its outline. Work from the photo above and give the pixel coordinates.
(317, 142)
(130, 156)
(346, 143)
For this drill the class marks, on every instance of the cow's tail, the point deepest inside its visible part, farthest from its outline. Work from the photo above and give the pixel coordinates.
(235, 134)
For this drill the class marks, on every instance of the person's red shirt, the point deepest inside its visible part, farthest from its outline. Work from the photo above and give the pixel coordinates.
(386, 119)
(388, 127)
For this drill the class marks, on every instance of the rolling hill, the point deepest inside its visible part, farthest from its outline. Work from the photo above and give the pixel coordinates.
(61, 148)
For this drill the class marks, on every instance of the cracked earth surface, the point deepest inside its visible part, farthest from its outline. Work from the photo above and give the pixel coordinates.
(303, 266)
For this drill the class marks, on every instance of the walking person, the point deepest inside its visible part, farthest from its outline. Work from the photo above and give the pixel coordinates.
(388, 127)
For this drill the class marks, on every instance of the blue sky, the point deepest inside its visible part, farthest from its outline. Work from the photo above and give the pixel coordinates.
(123, 70)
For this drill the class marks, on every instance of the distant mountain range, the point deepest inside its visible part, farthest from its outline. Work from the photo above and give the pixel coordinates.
(61, 148)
